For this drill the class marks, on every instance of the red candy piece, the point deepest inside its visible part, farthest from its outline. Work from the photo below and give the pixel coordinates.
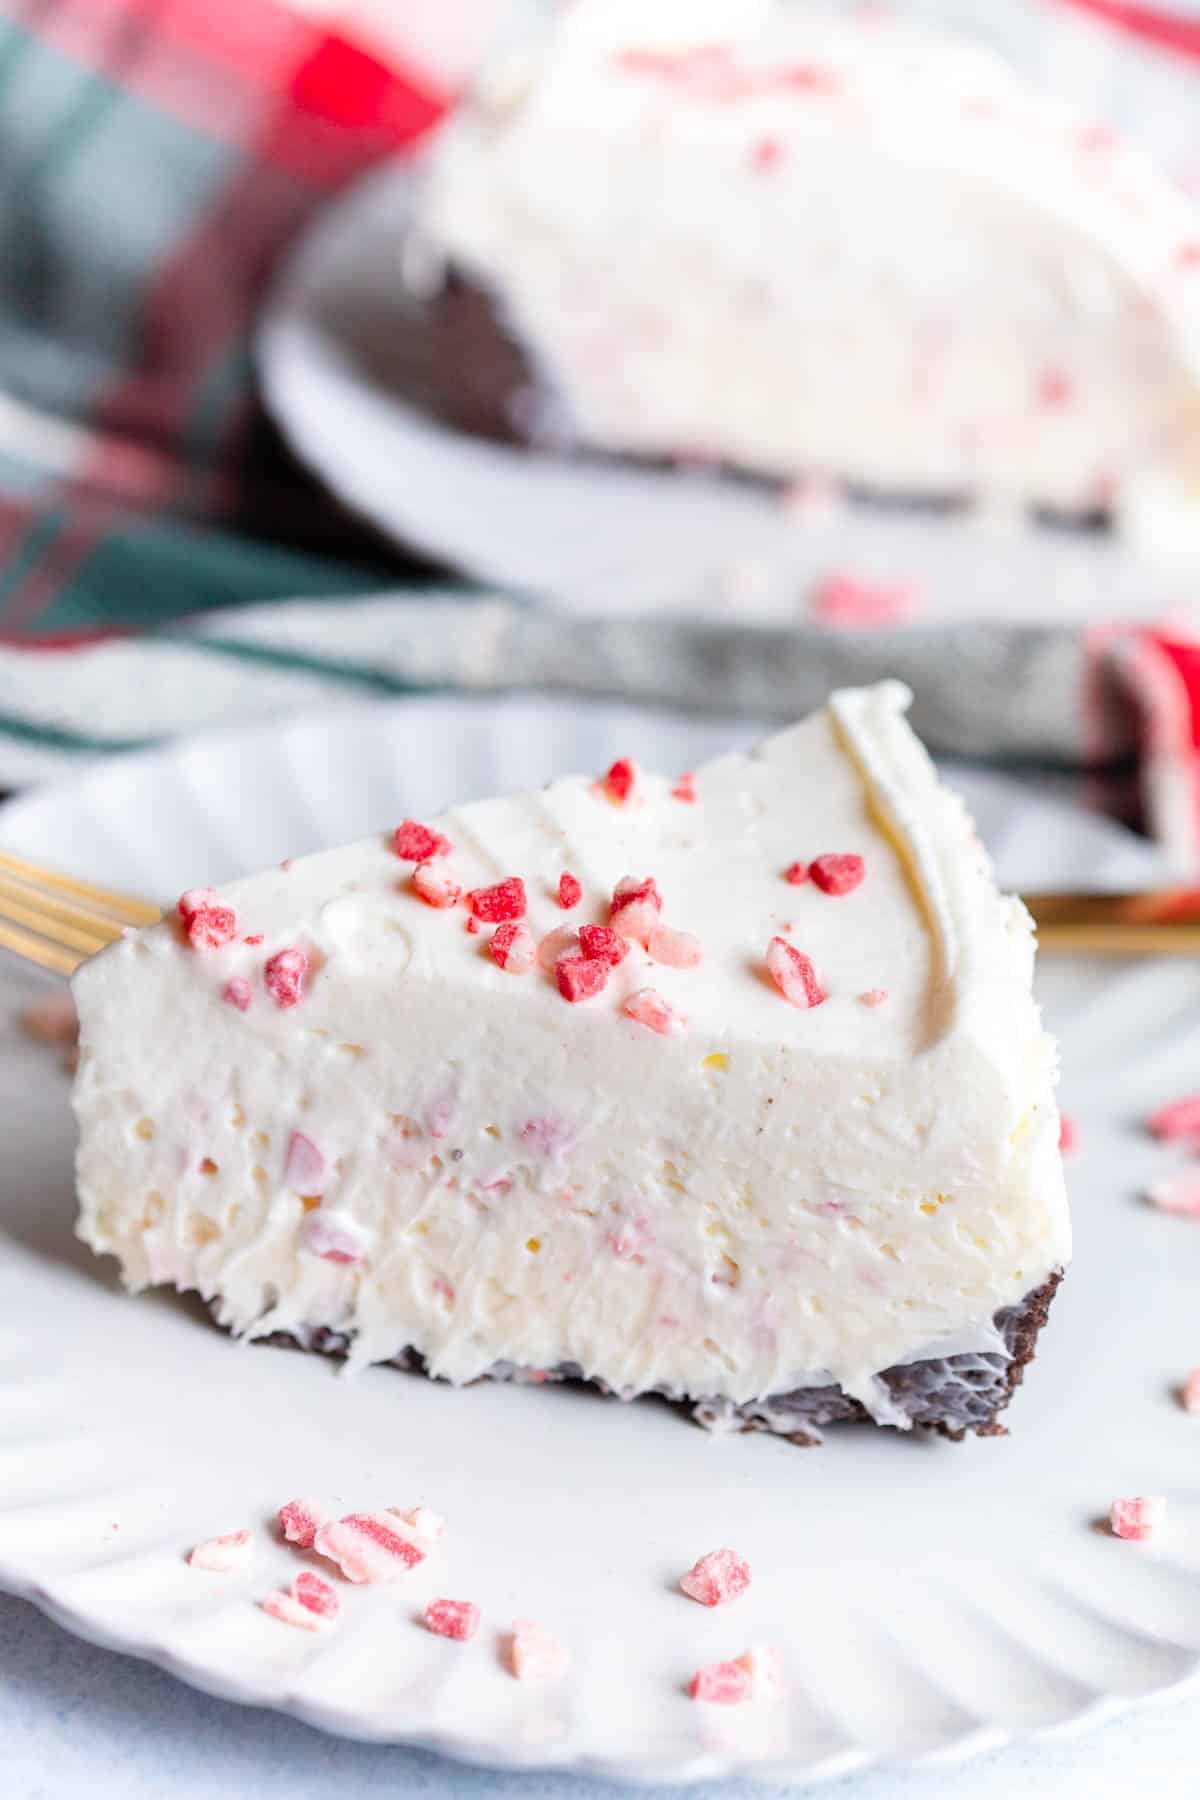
(685, 789)
(621, 781)
(367, 1547)
(722, 1684)
(1181, 1119)
(253, 937)
(1178, 1193)
(304, 1167)
(793, 974)
(1054, 389)
(1187, 256)
(718, 1576)
(636, 905)
(310, 1604)
(1137, 1519)
(647, 1007)
(513, 948)
(417, 843)
(434, 889)
(796, 873)
(506, 900)
(300, 1521)
(677, 949)
(580, 977)
(848, 600)
(237, 993)
(284, 975)
(222, 1554)
(315, 1593)
(452, 1619)
(1068, 1135)
(837, 874)
(873, 997)
(1189, 1393)
(603, 944)
(206, 921)
(570, 891)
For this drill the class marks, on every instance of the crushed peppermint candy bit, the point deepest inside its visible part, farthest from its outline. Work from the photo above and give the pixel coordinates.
(238, 992)
(332, 1237)
(1178, 1193)
(1178, 1119)
(718, 1576)
(873, 997)
(621, 781)
(570, 890)
(505, 900)
(425, 1526)
(534, 1654)
(604, 944)
(793, 974)
(648, 1007)
(434, 889)
(1189, 1393)
(284, 975)
(557, 943)
(635, 907)
(222, 1554)
(848, 600)
(1187, 255)
(685, 789)
(311, 1603)
(1068, 1135)
(512, 947)
(457, 1619)
(837, 874)
(764, 1665)
(418, 843)
(580, 977)
(253, 937)
(677, 949)
(368, 1547)
(1137, 1519)
(1055, 389)
(796, 874)
(207, 922)
(51, 1019)
(304, 1169)
(300, 1521)
(722, 1684)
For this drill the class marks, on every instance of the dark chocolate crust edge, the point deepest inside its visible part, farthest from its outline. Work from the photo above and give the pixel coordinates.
(950, 1395)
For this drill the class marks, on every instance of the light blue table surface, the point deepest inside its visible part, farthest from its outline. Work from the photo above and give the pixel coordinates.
(80, 1722)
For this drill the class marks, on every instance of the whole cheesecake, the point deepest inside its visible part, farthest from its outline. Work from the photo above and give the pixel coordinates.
(795, 245)
(728, 1086)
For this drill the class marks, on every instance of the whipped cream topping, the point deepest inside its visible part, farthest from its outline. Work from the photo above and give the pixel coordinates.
(799, 244)
(431, 1151)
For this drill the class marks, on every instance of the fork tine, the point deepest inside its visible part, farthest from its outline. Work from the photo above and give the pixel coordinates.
(123, 907)
(64, 925)
(39, 950)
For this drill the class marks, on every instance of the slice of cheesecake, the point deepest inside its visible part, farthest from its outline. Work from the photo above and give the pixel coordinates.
(727, 1086)
(799, 245)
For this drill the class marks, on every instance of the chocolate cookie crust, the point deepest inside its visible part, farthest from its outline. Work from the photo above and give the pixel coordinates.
(951, 1395)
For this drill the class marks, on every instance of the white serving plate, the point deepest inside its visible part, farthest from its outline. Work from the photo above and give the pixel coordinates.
(593, 536)
(931, 1599)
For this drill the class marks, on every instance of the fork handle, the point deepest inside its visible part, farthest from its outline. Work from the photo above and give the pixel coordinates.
(1165, 922)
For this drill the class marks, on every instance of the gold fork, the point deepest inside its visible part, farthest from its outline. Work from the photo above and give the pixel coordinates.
(58, 922)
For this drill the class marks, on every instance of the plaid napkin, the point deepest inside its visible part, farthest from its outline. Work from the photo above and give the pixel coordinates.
(157, 158)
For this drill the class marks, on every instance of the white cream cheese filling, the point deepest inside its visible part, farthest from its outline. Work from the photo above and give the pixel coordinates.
(774, 1198)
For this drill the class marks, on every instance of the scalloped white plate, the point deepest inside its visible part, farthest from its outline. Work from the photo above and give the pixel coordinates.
(931, 1599)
